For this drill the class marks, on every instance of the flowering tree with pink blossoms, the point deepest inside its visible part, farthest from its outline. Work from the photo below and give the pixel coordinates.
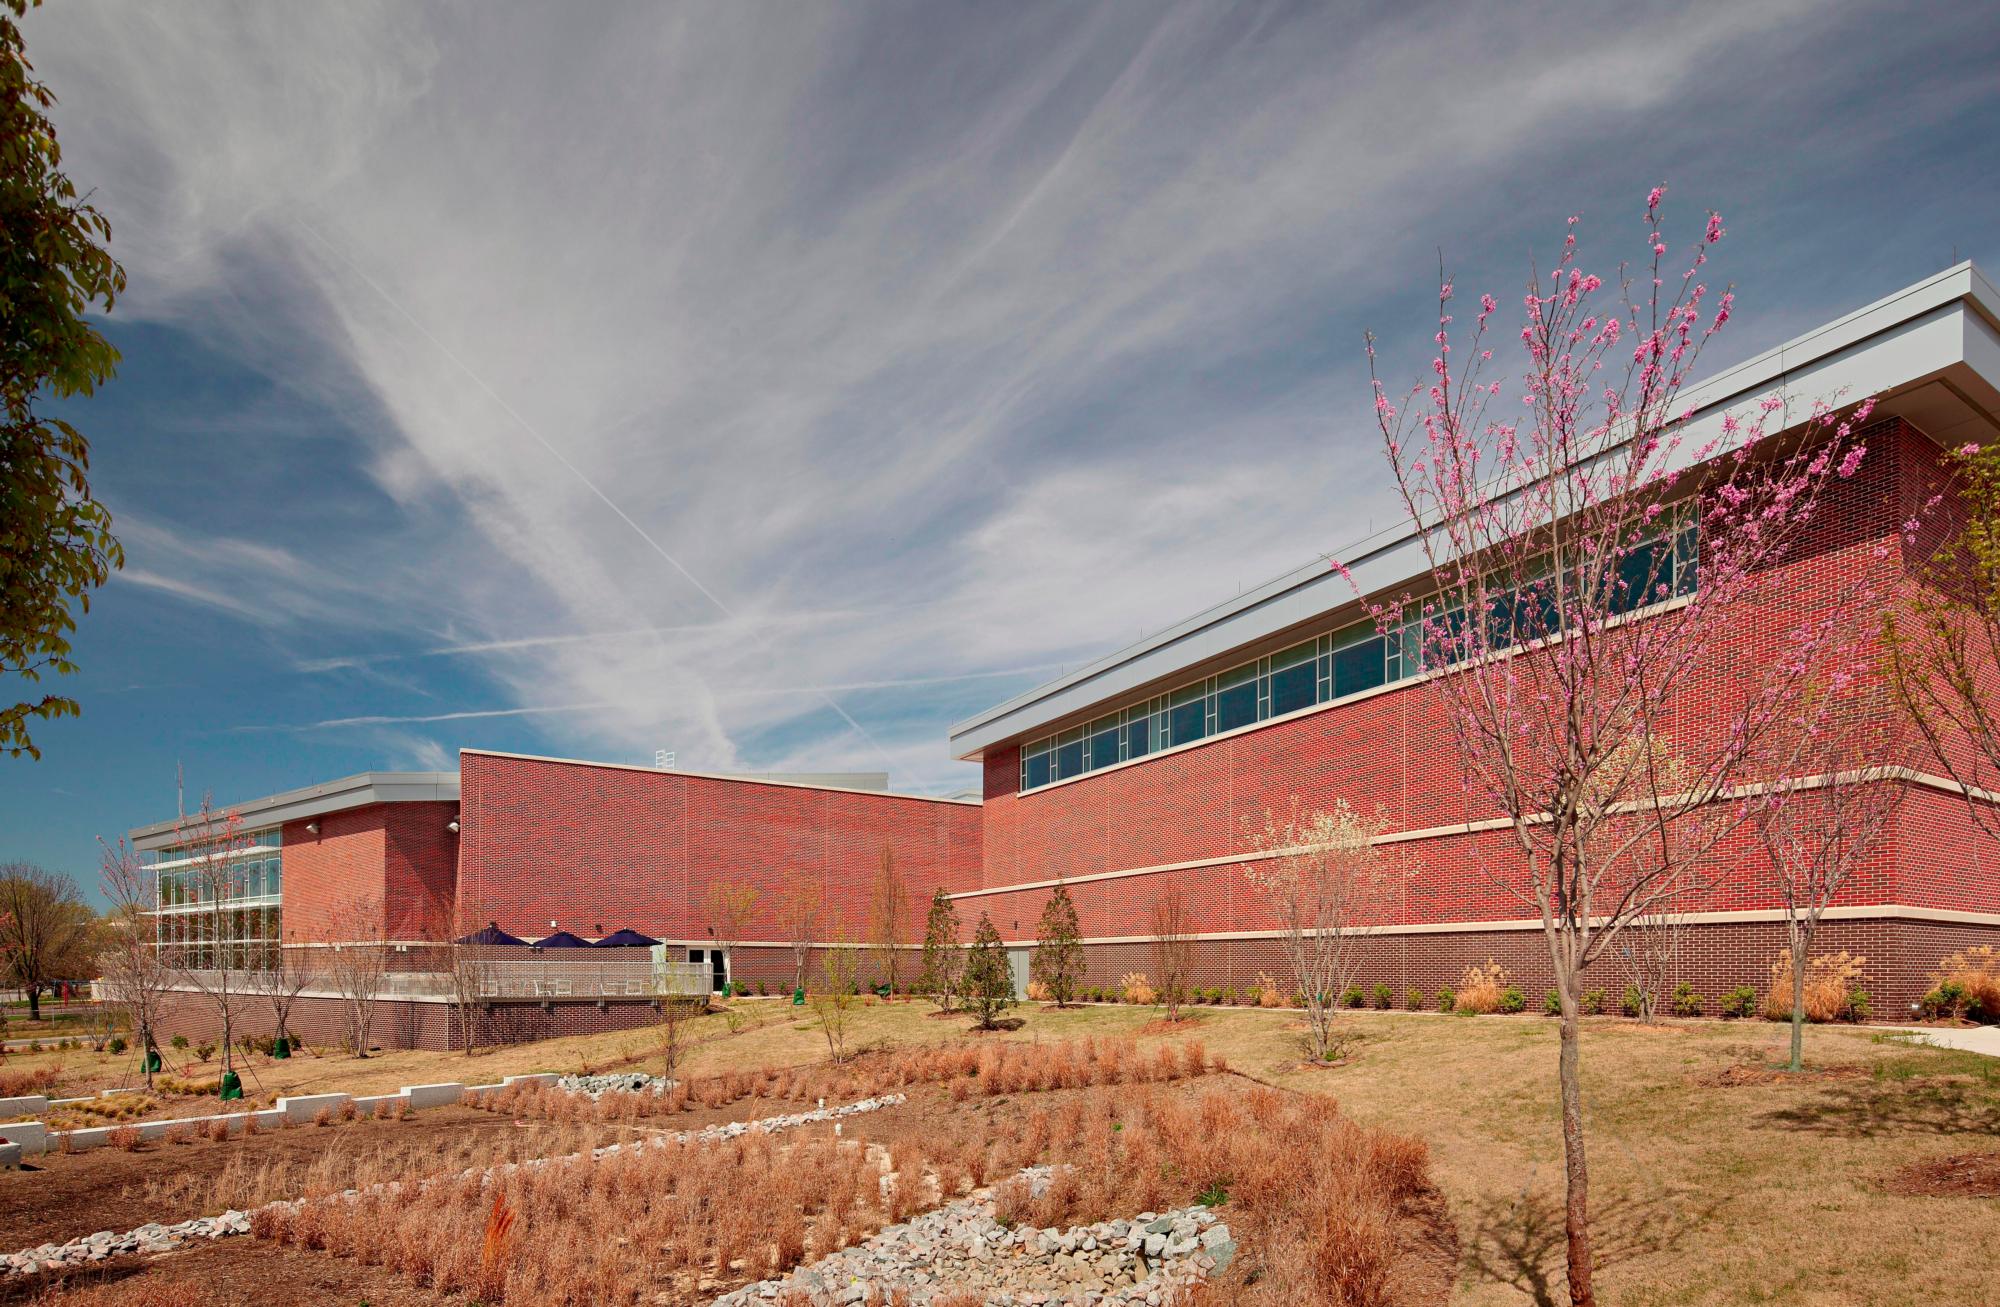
(1587, 553)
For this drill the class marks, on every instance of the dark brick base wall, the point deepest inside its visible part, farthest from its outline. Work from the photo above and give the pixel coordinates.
(401, 1023)
(1715, 958)
(1900, 957)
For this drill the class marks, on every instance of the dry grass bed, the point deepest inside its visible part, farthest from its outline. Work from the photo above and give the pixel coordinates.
(1716, 1180)
(1327, 1211)
(63, 1196)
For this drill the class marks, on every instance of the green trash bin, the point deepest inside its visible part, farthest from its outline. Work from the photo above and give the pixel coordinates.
(153, 1059)
(232, 1085)
(281, 1048)
(799, 996)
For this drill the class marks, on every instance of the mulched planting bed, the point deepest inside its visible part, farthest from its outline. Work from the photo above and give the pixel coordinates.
(227, 1273)
(1730, 1077)
(1962, 1175)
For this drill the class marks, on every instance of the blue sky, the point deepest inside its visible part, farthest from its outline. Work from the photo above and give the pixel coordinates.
(777, 384)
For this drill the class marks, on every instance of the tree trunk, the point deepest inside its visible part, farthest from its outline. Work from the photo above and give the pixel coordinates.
(34, 1002)
(1576, 1170)
(1798, 1002)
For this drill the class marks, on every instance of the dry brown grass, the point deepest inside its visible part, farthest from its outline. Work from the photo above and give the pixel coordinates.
(1315, 1200)
(22, 1082)
(1479, 989)
(1135, 988)
(1830, 980)
(986, 1069)
(693, 1217)
(1976, 971)
(252, 1178)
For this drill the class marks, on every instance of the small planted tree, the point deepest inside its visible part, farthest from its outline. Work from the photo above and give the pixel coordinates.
(357, 962)
(220, 964)
(944, 957)
(1173, 945)
(137, 972)
(799, 912)
(1319, 872)
(833, 1001)
(1824, 817)
(1943, 640)
(730, 908)
(1058, 960)
(1586, 568)
(989, 981)
(888, 908)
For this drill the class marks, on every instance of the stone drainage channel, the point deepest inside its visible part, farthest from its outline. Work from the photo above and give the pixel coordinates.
(156, 1238)
(962, 1248)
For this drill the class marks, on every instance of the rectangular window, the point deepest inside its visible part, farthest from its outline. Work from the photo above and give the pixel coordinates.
(1359, 667)
(1236, 698)
(1139, 736)
(1035, 770)
(1187, 717)
(1294, 679)
(1069, 754)
(1104, 747)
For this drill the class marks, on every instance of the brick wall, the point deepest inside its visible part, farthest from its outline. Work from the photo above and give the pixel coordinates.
(393, 857)
(1391, 753)
(597, 848)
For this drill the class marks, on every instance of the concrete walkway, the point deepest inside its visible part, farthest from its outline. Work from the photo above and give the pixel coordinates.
(1970, 1039)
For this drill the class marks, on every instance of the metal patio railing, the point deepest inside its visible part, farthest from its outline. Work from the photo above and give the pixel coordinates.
(539, 978)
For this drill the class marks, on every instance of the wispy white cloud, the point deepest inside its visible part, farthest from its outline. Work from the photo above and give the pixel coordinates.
(763, 358)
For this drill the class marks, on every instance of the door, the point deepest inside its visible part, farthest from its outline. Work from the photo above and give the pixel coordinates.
(718, 968)
(1017, 962)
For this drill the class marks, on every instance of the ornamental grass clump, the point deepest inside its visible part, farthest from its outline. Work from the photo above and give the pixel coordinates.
(1481, 989)
(1967, 985)
(1829, 988)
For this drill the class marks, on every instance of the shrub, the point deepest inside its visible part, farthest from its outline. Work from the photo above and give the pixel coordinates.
(1267, 991)
(1513, 1000)
(1215, 995)
(116, 1046)
(180, 1043)
(204, 1050)
(1353, 997)
(1967, 984)
(1632, 1002)
(323, 1117)
(1829, 986)
(1858, 1005)
(1229, 996)
(1687, 1003)
(1446, 999)
(1137, 989)
(37, 1080)
(763, 989)
(1739, 1002)
(1038, 992)
(217, 1129)
(1592, 1003)
(1479, 989)
(1552, 1004)
(125, 1138)
(1385, 997)
(1414, 1000)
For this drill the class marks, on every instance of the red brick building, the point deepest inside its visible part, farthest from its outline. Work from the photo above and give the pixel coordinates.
(1152, 765)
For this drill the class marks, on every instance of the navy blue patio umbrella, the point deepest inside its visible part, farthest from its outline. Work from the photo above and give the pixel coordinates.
(491, 933)
(626, 938)
(562, 939)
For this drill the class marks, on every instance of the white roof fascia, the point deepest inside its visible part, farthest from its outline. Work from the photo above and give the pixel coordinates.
(1947, 325)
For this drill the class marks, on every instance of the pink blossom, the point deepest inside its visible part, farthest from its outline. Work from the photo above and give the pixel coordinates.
(1852, 461)
(1714, 227)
